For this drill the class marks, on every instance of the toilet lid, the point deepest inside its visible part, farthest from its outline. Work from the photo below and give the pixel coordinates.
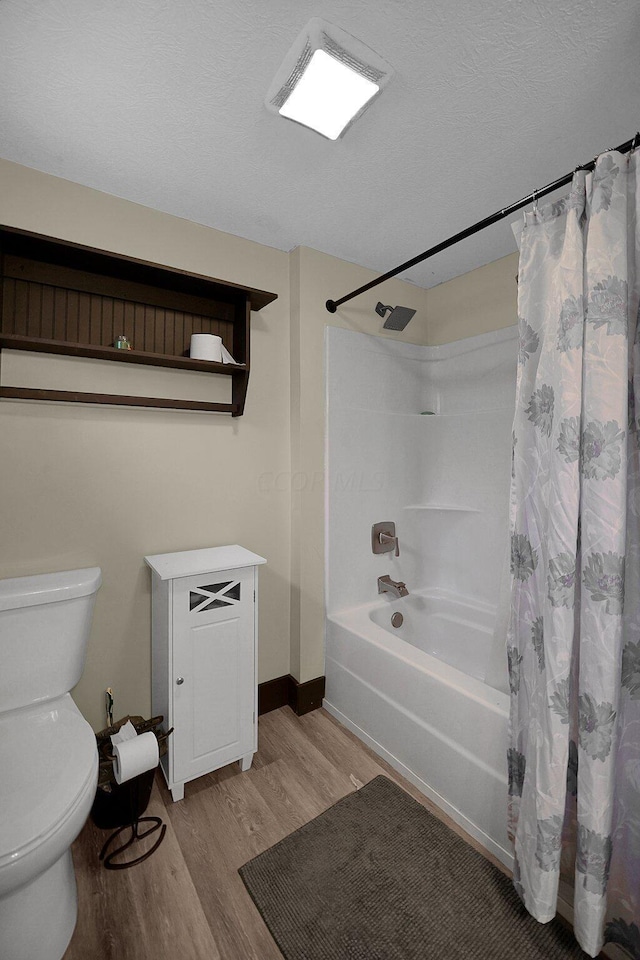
(47, 758)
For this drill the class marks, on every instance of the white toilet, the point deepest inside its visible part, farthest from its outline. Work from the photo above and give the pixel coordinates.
(48, 758)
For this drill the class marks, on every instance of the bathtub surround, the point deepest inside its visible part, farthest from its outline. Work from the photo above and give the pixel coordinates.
(429, 695)
(574, 750)
(432, 476)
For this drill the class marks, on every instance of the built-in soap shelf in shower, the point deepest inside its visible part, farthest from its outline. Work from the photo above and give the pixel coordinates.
(442, 506)
(424, 415)
(467, 413)
(378, 411)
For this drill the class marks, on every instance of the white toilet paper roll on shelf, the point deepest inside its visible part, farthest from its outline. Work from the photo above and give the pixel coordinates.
(206, 346)
(136, 756)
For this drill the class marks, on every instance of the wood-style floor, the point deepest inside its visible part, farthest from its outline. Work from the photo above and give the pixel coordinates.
(187, 901)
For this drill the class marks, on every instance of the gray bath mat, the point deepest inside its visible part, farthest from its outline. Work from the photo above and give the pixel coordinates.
(378, 877)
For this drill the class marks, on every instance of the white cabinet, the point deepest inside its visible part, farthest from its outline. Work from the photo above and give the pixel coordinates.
(204, 659)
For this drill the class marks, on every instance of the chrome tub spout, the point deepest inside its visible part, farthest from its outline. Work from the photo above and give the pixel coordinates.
(395, 587)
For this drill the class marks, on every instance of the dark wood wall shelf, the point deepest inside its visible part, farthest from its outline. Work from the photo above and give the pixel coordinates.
(63, 298)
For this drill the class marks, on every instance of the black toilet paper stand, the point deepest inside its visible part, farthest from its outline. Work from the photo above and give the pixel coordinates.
(136, 834)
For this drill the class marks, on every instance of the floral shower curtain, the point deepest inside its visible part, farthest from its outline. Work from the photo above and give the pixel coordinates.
(574, 636)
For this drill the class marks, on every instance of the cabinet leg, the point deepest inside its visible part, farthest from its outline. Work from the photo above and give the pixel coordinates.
(245, 762)
(177, 792)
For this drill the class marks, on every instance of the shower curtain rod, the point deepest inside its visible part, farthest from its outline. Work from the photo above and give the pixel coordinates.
(332, 305)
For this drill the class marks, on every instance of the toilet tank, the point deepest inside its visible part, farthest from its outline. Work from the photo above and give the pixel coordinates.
(44, 630)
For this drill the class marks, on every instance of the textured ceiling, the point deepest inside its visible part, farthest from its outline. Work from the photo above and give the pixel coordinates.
(161, 102)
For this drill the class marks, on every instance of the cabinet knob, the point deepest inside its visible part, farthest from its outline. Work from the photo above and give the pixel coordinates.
(180, 681)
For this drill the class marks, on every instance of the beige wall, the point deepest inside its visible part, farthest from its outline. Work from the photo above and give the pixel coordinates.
(477, 302)
(101, 485)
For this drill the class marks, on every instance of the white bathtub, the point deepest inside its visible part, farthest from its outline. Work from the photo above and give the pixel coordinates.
(416, 696)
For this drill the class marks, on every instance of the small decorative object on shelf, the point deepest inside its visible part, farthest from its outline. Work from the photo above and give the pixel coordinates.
(122, 343)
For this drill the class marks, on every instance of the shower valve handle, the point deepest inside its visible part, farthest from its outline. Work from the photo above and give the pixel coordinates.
(388, 538)
(383, 537)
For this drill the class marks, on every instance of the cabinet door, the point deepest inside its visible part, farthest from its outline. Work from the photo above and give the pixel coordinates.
(213, 654)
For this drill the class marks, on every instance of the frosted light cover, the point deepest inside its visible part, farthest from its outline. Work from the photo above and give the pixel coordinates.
(328, 95)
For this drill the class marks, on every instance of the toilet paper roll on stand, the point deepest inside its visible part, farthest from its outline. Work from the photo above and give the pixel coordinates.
(135, 756)
(206, 346)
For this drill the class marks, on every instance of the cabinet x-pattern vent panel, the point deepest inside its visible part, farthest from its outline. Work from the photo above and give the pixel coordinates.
(214, 595)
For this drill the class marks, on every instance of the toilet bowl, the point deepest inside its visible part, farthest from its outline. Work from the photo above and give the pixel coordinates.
(48, 758)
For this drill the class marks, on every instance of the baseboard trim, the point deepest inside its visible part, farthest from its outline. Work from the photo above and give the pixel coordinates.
(273, 694)
(286, 691)
(305, 697)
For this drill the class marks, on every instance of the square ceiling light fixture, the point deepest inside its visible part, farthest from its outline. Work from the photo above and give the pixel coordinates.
(327, 80)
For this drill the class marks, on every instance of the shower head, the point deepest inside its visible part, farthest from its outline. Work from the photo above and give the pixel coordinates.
(397, 319)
